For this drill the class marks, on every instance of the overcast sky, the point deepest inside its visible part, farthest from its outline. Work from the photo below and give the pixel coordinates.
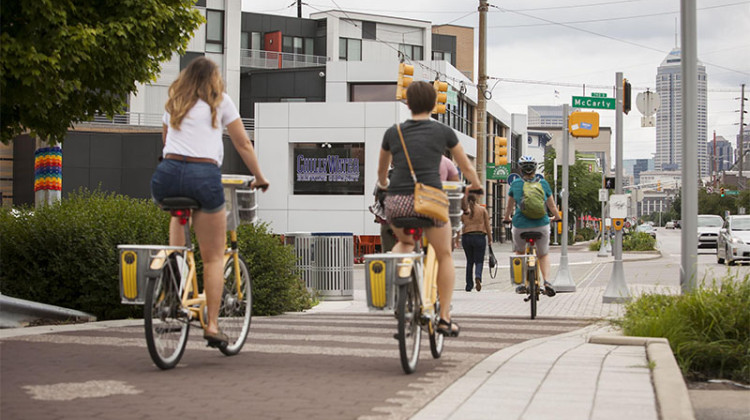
(541, 47)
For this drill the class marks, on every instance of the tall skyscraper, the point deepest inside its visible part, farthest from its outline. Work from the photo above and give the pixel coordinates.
(668, 155)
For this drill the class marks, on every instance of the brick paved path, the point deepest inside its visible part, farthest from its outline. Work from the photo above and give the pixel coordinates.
(311, 366)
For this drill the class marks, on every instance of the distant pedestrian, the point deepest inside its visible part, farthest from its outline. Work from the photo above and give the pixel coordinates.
(476, 233)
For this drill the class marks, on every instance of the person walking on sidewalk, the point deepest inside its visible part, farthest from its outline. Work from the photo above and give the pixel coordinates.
(425, 139)
(520, 199)
(196, 113)
(476, 233)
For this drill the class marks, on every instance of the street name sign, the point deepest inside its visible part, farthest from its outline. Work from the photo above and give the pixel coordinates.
(499, 172)
(596, 103)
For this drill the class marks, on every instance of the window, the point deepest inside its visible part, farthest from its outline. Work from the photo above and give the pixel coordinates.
(372, 92)
(413, 52)
(368, 30)
(296, 45)
(350, 49)
(215, 31)
(255, 41)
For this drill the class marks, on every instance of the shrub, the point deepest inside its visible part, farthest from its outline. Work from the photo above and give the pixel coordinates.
(708, 329)
(587, 233)
(65, 254)
(277, 286)
(638, 241)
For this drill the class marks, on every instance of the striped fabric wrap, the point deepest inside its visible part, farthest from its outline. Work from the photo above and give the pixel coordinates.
(48, 169)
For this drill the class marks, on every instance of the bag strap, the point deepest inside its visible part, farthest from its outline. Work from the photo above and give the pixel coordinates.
(406, 152)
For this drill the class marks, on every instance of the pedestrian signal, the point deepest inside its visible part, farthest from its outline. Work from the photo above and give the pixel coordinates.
(405, 73)
(618, 223)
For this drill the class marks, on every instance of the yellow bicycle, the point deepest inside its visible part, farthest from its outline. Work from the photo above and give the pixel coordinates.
(164, 279)
(407, 284)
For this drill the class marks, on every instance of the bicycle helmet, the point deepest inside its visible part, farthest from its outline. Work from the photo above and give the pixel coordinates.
(527, 164)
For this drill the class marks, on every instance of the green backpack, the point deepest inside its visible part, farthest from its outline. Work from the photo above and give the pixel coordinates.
(532, 202)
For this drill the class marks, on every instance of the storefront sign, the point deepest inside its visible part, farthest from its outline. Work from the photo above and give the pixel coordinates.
(329, 169)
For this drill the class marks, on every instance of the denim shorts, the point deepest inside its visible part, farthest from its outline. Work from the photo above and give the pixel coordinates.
(200, 181)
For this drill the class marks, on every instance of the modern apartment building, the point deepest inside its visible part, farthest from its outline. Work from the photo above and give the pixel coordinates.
(721, 154)
(317, 87)
(669, 116)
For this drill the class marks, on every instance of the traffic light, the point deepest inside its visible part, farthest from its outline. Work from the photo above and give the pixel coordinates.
(441, 89)
(609, 182)
(722, 191)
(405, 73)
(658, 185)
(501, 151)
(625, 96)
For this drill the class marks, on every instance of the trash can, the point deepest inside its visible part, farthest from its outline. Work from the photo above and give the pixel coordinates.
(333, 265)
(303, 249)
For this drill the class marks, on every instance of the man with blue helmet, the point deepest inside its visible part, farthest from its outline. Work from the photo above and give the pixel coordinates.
(523, 222)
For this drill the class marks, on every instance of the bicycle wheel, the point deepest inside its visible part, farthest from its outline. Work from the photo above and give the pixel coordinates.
(409, 333)
(236, 306)
(436, 339)
(532, 291)
(167, 325)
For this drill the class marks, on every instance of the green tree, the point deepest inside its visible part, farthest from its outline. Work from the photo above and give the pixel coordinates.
(61, 61)
(583, 185)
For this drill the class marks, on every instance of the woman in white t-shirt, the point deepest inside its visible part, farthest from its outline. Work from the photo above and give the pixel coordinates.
(196, 113)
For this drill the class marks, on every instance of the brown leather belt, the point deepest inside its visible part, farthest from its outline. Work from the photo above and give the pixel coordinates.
(173, 156)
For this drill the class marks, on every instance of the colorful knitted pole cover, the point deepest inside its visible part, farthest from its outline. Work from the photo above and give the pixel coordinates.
(48, 169)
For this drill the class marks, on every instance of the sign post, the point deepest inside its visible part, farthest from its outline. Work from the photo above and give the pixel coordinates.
(563, 281)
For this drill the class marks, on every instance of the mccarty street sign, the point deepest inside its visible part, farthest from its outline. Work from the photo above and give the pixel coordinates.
(597, 103)
(499, 172)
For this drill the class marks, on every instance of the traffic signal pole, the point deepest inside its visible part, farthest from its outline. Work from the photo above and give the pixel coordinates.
(689, 64)
(617, 291)
(563, 281)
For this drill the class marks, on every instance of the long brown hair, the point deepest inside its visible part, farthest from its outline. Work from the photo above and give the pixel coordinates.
(199, 80)
(472, 203)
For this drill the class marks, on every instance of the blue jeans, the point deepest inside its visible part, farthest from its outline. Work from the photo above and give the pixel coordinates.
(474, 245)
(200, 181)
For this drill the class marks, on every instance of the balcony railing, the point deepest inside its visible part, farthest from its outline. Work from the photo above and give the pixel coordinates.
(144, 119)
(260, 59)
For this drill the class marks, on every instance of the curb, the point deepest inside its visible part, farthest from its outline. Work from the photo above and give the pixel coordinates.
(672, 398)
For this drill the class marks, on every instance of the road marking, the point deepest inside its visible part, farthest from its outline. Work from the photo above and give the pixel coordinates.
(72, 390)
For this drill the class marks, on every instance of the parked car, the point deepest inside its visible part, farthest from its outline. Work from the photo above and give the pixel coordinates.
(734, 240)
(669, 225)
(708, 230)
(646, 228)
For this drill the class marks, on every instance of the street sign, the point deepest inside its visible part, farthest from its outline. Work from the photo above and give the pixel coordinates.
(596, 103)
(647, 102)
(732, 192)
(499, 172)
(512, 178)
(452, 97)
(603, 195)
(598, 95)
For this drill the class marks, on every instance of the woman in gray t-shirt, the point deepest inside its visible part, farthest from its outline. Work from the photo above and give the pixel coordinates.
(425, 139)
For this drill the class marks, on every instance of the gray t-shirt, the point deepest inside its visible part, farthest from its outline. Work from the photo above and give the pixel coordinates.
(426, 140)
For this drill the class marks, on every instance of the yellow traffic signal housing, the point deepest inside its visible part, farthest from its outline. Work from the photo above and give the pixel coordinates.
(441, 89)
(658, 185)
(501, 151)
(405, 73)
(625, 96)
(722, 191)
(584, 124)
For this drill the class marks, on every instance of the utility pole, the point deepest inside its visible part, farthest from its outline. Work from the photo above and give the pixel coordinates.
(481, 99)
(740, 182)
(299, 8)
(689, 64)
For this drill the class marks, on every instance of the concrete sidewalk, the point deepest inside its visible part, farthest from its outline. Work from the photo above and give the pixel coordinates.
(592, 373)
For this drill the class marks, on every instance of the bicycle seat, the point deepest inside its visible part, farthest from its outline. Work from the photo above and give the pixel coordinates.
(531, 235)
(179, 203)
(412, 222)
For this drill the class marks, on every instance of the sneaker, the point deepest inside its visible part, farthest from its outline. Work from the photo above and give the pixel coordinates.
(521, 290)
(548, 289)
